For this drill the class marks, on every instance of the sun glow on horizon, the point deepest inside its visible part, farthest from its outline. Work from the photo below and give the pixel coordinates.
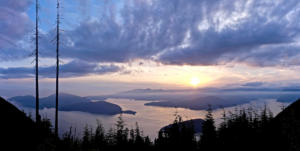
(195, 81)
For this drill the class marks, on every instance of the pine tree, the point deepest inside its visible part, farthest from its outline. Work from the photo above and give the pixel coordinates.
(209, 135)
(121, 135)
(131, 140)
(99, 136)
(111, 137)
(138, 137)
(86, 139)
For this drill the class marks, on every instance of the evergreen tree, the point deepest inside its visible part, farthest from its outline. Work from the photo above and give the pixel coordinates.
(138, 138)
(208, 136)
(131, 140)
(86, 139)
(111, 137)
(121, 132)
(99, 137)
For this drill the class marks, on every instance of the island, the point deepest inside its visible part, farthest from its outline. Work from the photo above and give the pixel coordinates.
(69, 102)
(201, 103)
(197, 124)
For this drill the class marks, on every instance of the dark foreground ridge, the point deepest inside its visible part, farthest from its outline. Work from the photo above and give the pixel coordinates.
(245, 129)
(69, 102)
(17, 129)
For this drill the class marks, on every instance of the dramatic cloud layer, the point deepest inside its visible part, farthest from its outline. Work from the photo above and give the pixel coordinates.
(179, 32)
(15, 26)
(71, 69)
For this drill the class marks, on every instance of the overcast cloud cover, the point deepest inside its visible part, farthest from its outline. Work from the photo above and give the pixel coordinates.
(172, 32)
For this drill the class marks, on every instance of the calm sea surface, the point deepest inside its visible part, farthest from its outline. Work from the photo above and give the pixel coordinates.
(149, 118)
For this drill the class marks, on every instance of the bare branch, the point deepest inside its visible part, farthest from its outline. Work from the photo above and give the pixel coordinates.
(62, 44)
(32, 40)
(33, 61)
(53, 39)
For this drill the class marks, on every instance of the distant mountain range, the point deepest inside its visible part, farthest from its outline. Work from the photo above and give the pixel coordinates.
(162, 95)
(201, 103)
(197, 99)
(143, 95)
(68, 102)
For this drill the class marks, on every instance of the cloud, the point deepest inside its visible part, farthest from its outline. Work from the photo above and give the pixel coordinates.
(15, 26)
(177, 32)
(253, 84)
(71, 69)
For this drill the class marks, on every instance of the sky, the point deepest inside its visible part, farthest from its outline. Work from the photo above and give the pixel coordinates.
(118, 45)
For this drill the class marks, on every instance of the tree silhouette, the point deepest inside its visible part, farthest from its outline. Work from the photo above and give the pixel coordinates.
(121, 132)
(57, 70)
(36, 53)
(208, 136)
(56, 41)
(99, 136)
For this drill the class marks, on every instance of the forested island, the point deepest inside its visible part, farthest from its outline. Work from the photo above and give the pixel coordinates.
(201, 103)
(69, 102)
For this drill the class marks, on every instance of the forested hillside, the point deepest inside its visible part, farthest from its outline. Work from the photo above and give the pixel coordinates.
(245, 129)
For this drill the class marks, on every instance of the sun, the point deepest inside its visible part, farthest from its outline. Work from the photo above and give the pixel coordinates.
(195, 81)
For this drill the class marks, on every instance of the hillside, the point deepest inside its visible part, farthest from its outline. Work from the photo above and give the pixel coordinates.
(286, 127)
(17, 130)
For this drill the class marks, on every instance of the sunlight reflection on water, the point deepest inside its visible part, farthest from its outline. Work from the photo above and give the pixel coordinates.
(149, 118)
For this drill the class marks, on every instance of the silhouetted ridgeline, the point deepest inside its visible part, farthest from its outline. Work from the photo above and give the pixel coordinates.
(16, 128)
(70, 102)
(286, 126)
(245, 129)
(197, 123)
(18, 131)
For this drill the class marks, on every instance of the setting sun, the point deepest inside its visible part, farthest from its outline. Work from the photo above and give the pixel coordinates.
(195, 81)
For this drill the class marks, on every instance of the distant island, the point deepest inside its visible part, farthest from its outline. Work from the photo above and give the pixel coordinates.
(174, 95)
(68, 102)
(100, 107)
(197, 124)
(141, 95)
(201, 103)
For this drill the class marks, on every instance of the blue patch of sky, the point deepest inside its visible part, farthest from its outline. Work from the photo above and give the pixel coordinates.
(70, 12)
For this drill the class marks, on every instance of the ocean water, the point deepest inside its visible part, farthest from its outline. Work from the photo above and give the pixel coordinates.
(150, 119)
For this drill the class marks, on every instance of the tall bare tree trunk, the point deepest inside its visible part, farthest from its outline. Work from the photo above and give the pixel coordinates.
(57, 71)
(37, 63)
